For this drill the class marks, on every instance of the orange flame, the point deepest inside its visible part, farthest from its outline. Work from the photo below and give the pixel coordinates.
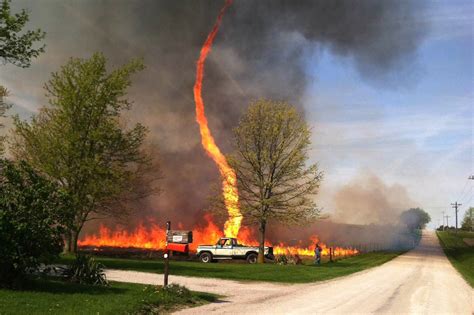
(229, 182)
(154, 238)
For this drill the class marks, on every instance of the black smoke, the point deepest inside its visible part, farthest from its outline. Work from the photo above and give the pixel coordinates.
(261, 50)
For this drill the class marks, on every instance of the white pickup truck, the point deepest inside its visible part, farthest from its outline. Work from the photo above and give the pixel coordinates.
(229, 248)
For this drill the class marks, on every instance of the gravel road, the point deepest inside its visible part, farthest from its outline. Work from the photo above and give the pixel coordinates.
(421, 281)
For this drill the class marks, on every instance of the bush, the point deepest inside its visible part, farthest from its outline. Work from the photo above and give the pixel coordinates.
(86, 270)
(281, 259)
(288, 259)
(30, 222)
(159, 299)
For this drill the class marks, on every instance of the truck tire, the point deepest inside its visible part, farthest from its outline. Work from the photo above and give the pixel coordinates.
(252, 258)
(205, 257)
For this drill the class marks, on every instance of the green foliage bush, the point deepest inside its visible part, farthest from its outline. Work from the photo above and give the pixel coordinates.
(169, 295)
(31, 221)
(85, 270)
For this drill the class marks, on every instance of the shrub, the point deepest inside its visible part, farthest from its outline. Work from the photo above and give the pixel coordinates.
(86, 270)
(288, 259)
(160, 299)
(31, 220)
(281, 259)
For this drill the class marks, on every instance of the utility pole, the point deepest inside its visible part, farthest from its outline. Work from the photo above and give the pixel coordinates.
(447, 220)
(455, 206)
(443, 220)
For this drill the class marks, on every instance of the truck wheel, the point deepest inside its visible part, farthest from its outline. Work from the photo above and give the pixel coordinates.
(252, 258)
(206, 257)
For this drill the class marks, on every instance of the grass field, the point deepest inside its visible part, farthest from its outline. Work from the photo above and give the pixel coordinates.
(267, 272)
(459, 253)
(58, 297)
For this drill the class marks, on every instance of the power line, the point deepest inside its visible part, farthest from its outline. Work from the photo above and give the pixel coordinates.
(463, 189)
(467, 202)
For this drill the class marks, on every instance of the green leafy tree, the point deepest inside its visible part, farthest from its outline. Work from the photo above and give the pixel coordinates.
(467, 220)
(275, 183)
(415, 218)
(33, 212)
(81, 141)
(17, 46)
(3, 109)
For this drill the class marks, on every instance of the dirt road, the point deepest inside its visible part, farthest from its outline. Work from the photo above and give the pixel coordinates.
(421, 281)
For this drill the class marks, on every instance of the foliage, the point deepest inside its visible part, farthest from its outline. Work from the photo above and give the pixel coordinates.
(459, 252)
(288, 259)
(81, 142)
(3, 108)
(60, 297)
(32, 215)
(16, 44)
(85, 270)
(415, 218)
(466, 224)
(168, 295)
(272, 142)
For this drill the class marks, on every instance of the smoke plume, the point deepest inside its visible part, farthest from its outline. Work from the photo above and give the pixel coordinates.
(368, 200)
(262, 50)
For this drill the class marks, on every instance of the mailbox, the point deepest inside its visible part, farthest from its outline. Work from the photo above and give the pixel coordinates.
(178, 241)
(179, 237)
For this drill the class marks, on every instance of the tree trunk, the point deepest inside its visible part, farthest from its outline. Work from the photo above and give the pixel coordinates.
(68, 242)
(261, 246)
(75, 237)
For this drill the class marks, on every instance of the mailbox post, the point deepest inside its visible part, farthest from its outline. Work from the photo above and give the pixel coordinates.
(176, 241)
(167, 255)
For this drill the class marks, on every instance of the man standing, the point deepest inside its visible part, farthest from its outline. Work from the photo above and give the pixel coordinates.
(317, 254)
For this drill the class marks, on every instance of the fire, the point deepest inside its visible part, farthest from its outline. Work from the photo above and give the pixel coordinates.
(229, 182)
(154, 237)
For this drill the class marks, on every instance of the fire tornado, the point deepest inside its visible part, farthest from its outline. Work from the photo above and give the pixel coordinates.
(229, 181)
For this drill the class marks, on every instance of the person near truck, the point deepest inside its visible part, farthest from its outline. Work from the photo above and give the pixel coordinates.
(317, 254)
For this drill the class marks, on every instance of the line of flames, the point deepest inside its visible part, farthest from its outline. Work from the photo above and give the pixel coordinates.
(154, 237)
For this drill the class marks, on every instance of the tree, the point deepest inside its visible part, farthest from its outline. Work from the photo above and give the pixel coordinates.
(467, 221)
(16, 47)
(3, 108)
(33, 213)
(81, 141)
(16, 44)
(415, 218)
(271, 143)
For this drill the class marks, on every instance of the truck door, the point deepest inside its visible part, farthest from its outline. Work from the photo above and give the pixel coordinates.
(238, 250)
(224, 248)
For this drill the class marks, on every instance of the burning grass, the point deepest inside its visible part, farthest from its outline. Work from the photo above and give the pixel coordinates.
(57, 297)
(154, 238)
(459, 252)
(266, 272)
